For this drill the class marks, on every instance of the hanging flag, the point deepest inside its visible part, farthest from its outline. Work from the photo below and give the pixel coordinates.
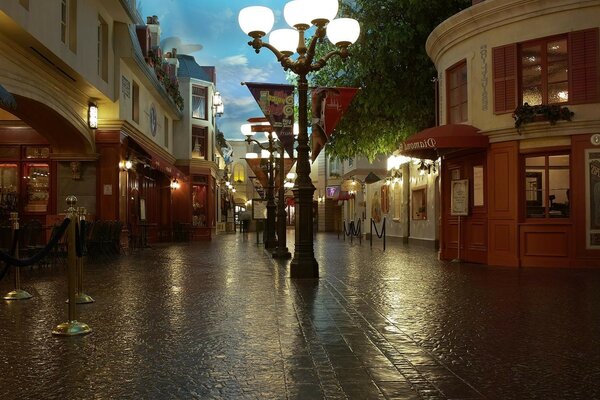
(328, 106)
(277, 103)
(256, 165)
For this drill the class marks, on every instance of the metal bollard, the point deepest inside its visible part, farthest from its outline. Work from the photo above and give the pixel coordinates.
(81, 297)
(18, 293)
(72, 327)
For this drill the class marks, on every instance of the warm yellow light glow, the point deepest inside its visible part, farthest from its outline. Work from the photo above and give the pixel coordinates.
(93, 116)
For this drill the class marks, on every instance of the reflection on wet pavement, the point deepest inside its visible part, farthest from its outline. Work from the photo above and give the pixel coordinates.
(222, 320)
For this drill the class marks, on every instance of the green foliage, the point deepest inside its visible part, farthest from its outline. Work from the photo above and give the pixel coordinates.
(552, 113)
(390, 65)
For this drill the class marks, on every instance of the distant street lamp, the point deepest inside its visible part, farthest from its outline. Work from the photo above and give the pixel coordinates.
(256, 22)
(270, 241)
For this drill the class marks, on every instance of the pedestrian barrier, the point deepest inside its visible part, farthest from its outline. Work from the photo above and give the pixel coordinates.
(354, 229)
(75, 251)
(379, 235)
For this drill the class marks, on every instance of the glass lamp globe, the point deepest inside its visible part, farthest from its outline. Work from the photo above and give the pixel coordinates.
(256, 19)
(322, 11)
(297, 14)
(284, 40)
(246, 129)
(343, 31)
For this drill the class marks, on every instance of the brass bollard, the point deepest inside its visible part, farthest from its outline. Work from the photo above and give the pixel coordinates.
(72, 327)
(81, 297)
(18, 293)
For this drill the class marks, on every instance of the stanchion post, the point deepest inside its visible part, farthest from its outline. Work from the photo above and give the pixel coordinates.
(17, 293)
(81, 297)
(72, 327)
(383, 234)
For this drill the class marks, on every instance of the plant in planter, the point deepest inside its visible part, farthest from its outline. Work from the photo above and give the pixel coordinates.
(525, 114)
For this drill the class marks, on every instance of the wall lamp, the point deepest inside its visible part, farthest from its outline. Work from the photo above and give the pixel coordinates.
(93, 116)
(218, 104)
(125, 165)
(175, 184)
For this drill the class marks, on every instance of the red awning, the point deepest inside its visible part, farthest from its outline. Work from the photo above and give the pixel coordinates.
(343, 195)
(155, 160)
(434, 142)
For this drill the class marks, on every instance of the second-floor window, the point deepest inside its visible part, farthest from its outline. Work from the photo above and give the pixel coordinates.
(68, 23)
(102, 48)
(545, 71)
(553, 70)
(199, 142)
(199, 104)
(457, 93)
(135, 103)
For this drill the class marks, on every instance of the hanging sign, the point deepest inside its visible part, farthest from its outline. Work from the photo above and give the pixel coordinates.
(328, 106)
(277, 104)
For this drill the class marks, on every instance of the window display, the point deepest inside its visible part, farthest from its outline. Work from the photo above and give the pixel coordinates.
(36, 181)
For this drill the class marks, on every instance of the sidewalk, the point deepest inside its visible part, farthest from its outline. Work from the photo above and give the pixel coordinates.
(222, 320)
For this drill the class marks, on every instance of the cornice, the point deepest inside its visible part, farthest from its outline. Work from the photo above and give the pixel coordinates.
(543, 129)
(492, 14)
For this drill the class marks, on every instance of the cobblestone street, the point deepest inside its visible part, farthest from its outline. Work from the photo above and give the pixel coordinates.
(222, 320)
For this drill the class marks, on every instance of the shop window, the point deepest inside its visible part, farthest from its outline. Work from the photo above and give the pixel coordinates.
(9, 189)
(135, 103)
(554, 70)
(36, 181)
(199, 138)
(102, 49)
(199, 205)
(199, 103)
(32, 152)
(239, 173)
(397, 190)
(547, 186)
(419, 203)
(457, 93)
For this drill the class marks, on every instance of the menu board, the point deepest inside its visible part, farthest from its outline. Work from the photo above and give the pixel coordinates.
(459, 197)
(259, 209)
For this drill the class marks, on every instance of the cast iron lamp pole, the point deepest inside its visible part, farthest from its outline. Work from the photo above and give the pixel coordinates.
(270, 240)
(256, 22)
(282, 250)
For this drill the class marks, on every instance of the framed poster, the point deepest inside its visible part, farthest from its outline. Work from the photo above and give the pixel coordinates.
(459, 197)
(259, 209)
(142, 209)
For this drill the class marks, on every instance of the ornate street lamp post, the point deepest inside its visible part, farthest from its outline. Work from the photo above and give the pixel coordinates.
(270, 241)
(256, 22)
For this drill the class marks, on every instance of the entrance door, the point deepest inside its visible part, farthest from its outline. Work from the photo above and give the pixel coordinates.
(465, 236)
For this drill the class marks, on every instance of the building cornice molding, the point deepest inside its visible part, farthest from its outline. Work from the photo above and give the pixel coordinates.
(543, 129)
(492, 14)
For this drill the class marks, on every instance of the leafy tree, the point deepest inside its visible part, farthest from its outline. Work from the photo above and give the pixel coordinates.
(390, 65)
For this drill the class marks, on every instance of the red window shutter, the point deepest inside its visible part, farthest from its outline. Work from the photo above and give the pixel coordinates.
(583, 67)
(504, 61)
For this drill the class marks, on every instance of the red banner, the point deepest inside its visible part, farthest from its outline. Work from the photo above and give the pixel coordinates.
(277, 103)
(257, 167)
(328, 107)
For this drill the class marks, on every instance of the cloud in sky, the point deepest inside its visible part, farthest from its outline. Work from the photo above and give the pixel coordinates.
(214, 24)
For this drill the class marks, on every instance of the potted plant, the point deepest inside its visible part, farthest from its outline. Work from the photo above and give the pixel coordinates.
(525, 114)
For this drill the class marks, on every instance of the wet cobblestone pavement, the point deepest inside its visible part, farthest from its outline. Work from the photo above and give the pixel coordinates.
(222, 320)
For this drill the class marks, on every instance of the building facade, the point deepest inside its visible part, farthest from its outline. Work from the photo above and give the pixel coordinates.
(519, 95)
(63, 60)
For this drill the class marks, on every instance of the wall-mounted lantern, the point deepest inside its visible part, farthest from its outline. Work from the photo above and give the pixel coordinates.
(93, 116)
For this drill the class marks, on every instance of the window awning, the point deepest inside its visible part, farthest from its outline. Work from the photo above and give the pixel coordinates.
(433, 143)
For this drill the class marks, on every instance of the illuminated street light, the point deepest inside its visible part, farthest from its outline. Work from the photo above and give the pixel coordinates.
(257, 22)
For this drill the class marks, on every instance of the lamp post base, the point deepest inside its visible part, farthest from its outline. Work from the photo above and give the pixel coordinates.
(72, 328)
(304, 268)
(282, 253)
(18, 294)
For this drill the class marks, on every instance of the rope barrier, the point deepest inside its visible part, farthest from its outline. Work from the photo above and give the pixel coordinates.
(58, 234)
(379, 235)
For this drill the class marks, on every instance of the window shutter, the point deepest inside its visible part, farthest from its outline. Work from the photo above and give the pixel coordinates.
(504, 60)
(583, 66)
